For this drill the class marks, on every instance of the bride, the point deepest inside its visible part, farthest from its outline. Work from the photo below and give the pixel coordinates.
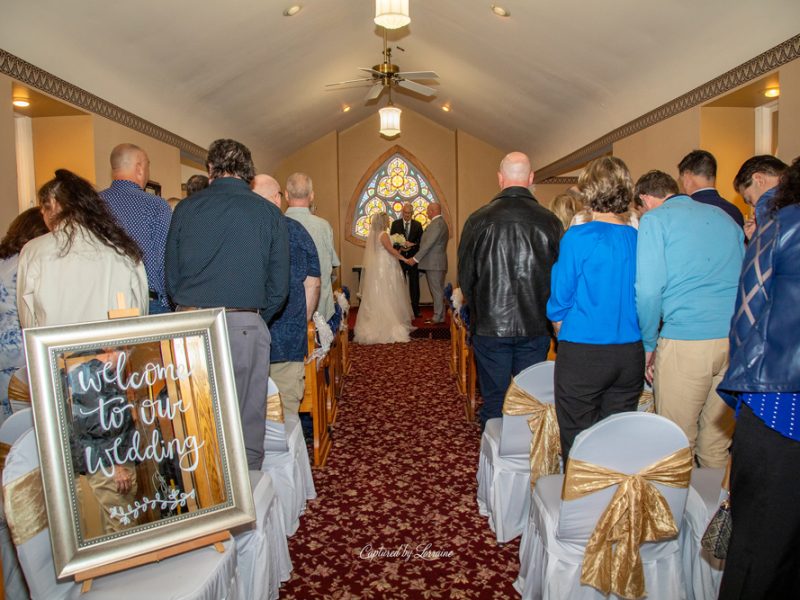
(384, 315)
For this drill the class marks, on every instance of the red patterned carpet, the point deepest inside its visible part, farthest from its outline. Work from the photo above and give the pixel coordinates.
(396, 515)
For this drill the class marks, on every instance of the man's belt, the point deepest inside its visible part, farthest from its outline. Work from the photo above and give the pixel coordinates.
(153, 294)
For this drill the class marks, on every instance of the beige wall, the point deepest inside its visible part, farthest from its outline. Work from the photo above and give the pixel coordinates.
(545, 193)
(63, 143)
(478, 163)
(789, 112)
(9, 207)
(662, 145)
(165, 160)
(730, 135)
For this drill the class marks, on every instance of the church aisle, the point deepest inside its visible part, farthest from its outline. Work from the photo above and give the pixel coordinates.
(396, 515)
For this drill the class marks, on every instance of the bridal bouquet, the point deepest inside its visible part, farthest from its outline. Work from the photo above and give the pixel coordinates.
(398, 239)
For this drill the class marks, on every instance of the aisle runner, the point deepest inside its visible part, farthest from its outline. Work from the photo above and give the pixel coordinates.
(396, 515)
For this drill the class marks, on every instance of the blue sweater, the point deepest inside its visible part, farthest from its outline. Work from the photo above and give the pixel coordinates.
(688, 262)
(591, 285)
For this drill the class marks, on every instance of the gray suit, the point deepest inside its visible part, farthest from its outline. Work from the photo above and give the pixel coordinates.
(432, 258)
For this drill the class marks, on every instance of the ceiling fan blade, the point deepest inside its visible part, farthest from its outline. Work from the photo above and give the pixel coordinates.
(362, 80)
(423, 90)
(418, 75)
(373, 71)
(374, 92)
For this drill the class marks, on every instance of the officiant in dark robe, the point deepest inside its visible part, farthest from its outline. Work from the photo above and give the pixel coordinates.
(412, 230)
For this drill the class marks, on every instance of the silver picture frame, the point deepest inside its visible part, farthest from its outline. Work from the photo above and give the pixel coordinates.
(208, 384)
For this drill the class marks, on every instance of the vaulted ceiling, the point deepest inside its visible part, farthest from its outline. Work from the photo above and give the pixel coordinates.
(553, 76)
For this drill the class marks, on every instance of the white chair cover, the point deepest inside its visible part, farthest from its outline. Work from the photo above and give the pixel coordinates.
(504, 468)
(702, 571)
(290, 469)
(202, 574)
(552, 546)
(13, 579)
(262, 551)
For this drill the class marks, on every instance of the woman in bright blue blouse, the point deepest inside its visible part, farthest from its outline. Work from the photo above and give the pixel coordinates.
(600, 362)
(25, 227)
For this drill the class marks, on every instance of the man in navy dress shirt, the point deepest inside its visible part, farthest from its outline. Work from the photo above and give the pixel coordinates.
(697, 173)
(144, 217)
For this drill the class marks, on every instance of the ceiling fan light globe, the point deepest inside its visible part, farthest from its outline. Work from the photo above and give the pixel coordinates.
(390, 121)
(391, 14)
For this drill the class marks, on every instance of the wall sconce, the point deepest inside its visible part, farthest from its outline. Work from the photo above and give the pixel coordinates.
(21, 102)
(391, 14)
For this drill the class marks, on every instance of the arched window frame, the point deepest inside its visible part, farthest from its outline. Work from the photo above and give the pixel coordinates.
(370, 173)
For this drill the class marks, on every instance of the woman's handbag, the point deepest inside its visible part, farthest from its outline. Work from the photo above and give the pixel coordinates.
(718, 533)
(717, 536)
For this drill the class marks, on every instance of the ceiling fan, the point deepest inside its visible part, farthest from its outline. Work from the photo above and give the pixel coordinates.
(386, 75)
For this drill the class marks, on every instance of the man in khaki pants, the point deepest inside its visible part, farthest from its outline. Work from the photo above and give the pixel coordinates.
(688, 259)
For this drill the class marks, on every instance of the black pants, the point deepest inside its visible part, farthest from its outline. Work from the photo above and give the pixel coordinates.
(412, 274)
(594, 381)
(764, 554)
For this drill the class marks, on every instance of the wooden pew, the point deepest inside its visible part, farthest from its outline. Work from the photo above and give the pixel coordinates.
(453, 341)
(315, 401)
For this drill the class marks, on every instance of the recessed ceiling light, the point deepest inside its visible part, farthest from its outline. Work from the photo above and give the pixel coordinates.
(346, 108)
(772, 92)
(446, 107)
(500, 11)
(292, 10)
(21, 102)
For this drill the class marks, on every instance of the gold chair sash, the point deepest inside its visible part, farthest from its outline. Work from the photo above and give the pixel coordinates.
(18, 390)
(637, 513)
(4, 450)
(274, 408)
(545, 444)
(24, 505)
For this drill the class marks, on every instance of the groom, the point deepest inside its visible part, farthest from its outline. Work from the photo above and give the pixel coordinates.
(432, 258)
(412, 230)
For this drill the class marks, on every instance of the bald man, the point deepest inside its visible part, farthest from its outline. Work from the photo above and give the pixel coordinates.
(506, 252)
(288, 327)
(143, 216)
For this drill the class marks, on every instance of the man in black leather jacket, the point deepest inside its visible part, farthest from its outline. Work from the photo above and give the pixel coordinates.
(506, 252)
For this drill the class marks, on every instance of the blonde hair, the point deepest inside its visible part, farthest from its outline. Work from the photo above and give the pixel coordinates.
(565, 206)
(606, 186)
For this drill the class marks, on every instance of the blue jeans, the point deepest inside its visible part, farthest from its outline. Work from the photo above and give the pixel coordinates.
(156, 308)
(498, 360)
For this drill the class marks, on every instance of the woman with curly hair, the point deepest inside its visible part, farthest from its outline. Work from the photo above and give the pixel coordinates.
(592, 304)
(25, 227)
(73, 273)
(763, 385)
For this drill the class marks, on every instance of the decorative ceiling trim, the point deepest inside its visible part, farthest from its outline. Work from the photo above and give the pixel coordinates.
(752, 69)
(572, 180)
(26, 73)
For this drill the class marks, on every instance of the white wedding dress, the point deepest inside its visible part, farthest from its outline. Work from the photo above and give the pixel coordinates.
(384, 314)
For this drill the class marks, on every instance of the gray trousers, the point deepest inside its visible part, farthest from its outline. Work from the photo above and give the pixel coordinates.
(250, 345)
(436, 286)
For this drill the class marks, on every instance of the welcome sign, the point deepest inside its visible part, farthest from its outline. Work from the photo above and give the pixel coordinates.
(139, 435)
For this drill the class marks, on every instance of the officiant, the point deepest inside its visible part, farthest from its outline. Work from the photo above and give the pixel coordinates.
(411, 229)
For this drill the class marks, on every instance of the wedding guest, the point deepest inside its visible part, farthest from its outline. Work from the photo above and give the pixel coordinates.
(565, 207)
(763, 384)
(195, 183)
(411, 229)
(300, 196)
(506, 252)
(25, 227)
(688, 260)
(432, 258)
(288, 328)
(227, 247)
(144, 217)
(73, 274)
(697, 173)
(592, 304)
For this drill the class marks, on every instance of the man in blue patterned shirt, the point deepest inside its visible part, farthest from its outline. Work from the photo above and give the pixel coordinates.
(144, 217)
(289, 326)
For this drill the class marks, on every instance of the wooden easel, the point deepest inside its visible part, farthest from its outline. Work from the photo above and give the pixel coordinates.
(213, 539)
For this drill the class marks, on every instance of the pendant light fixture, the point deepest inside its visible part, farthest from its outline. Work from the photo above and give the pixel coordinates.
(390, 118)
(391, 14)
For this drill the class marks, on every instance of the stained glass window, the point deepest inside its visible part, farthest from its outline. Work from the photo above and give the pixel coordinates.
(394, 183)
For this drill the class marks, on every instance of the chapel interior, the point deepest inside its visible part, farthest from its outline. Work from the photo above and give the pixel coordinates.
(564, 82)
